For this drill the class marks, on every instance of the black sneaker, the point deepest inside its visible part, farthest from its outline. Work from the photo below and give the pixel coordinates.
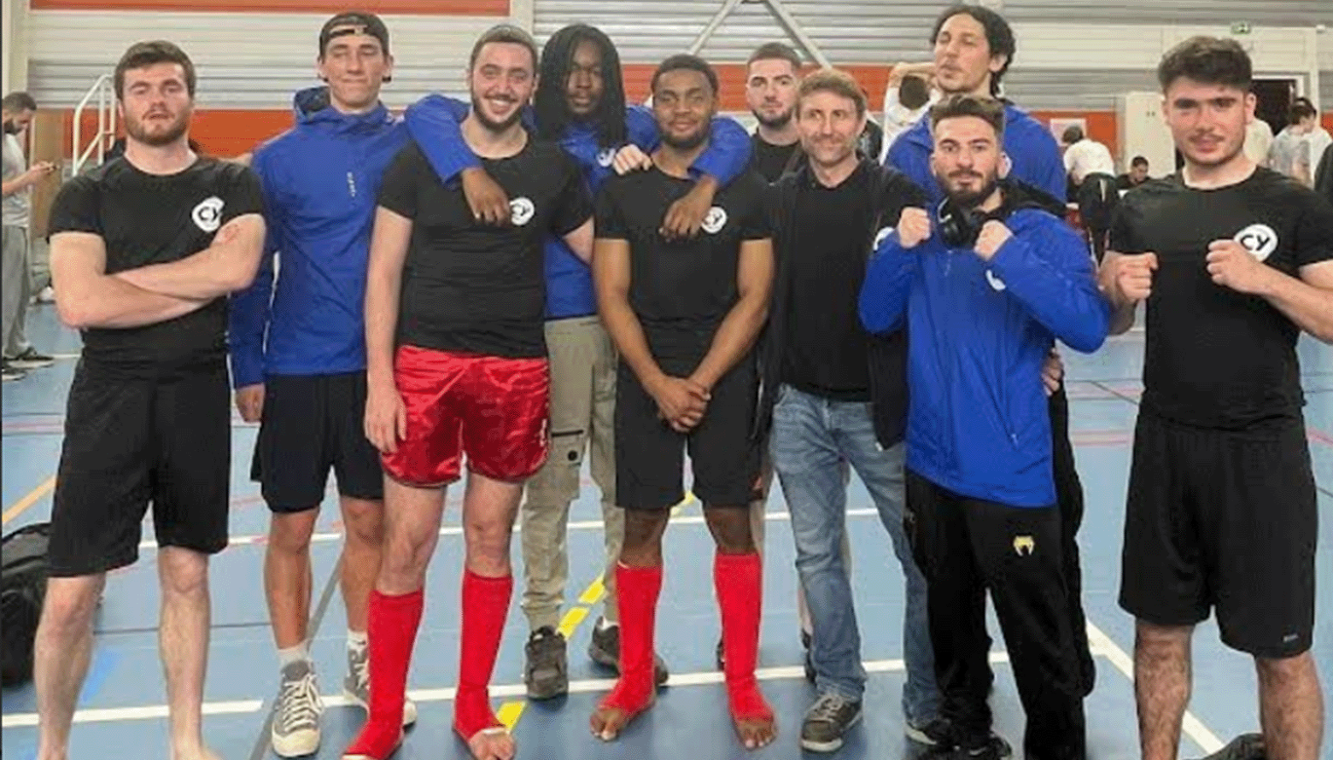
(1243, 747)
(604, 649)
(827, 721)
(546, 672)
(993, 748)
(12, 373)
(30, 359)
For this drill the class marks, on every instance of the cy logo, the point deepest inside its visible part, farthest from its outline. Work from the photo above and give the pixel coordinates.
(715, 220)
(996, 283)
(207, 216)
(1024, 546)
(521, 211)
(1259, 239)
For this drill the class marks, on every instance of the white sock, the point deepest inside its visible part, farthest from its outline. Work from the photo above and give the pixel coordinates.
(294, 654)
(357, 641)
(603, 624)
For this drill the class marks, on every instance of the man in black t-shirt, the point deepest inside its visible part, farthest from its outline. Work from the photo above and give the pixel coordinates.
(456, 364)
(1234, 262)
(144, 251)
(684, 315)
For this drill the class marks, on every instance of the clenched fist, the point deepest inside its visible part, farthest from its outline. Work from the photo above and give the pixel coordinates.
(913, 227)
(993, 235)
(1232, 266)
(1132, 277)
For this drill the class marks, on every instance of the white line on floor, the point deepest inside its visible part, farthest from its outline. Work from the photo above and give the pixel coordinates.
(1192, 726)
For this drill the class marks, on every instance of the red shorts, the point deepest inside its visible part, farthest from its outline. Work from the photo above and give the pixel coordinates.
(492, 408)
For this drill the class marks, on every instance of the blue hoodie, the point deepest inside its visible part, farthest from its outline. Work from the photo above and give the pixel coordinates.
(321, 182)
(978, 332)
(434, 123)
(1030, 146)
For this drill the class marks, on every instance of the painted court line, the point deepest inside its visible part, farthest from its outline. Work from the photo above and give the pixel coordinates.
(31, 498)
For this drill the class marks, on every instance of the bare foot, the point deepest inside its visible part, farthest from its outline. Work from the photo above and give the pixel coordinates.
(757, 731)
(492, 744)
(202, 753)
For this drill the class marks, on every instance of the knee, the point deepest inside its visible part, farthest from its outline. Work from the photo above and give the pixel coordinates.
(1162, 642)
(731, 530)
(488, 540)
(1284, 669)
(642, 545)
(69, 604)
(363, 524)
(290, 533)
(183, 572)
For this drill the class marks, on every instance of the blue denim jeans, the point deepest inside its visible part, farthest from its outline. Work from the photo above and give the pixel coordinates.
(812, 439)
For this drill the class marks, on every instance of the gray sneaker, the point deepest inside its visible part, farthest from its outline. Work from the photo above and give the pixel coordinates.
(827, 721)
(296, 715)
(604, 649)
(546, 671)
(1243, 747)
(356, 685)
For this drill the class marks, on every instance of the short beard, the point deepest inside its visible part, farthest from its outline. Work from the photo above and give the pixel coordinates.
(134, 128)
(490, 124)
(968, 199)
(776, 122)
(689, 142)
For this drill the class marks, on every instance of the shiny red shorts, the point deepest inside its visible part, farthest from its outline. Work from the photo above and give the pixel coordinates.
(493, 409)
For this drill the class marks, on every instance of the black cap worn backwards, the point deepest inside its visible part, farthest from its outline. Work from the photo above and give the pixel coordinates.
(354, 22)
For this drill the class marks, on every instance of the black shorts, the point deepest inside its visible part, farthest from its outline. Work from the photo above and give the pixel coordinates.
(723, 455)
(131, 441)
(1223, 519)
(312, 423)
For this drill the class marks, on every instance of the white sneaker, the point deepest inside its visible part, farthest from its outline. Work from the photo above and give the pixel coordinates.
(296, 716)
(356, 686)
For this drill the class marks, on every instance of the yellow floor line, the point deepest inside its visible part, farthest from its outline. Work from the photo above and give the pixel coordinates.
(33, 497)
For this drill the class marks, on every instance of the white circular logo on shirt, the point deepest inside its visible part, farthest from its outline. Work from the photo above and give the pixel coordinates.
(880, 236)
(606, 156)
(996, 283)
(715, 219)
(521, 211)
(207, 215)
(1259, 239)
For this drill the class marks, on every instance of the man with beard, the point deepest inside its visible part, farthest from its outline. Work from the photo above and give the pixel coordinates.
(144, 251)
(299, 358)
(17, 110)
(771, 78)
(684, 315)
(825, 217)
(1234, 261)
(973, 48)
(580, 104)
(456, 364)
(985, 284)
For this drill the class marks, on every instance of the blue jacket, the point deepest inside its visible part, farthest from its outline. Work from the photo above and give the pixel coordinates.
(1031, 147)
(434, 124)
(321, 182)
(978, 332)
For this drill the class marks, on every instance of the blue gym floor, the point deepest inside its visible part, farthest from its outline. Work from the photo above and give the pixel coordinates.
(122, 714)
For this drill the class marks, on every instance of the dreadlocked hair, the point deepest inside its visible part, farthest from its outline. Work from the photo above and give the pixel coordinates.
(557, 59)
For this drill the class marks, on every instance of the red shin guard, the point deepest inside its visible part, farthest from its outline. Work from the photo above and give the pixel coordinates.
(637, 589)
(391, 633)
(738, 579)
(485, 606)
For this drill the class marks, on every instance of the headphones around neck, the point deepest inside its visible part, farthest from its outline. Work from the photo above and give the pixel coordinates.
(960, 226)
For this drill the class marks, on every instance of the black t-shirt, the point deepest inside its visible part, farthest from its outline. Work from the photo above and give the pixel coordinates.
(681, 290)
(771, 160)
(825, 351)
(157, 219)
(1216, 358)
(473, 288)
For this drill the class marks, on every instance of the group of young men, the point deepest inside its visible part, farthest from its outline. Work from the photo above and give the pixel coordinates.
(518, 287)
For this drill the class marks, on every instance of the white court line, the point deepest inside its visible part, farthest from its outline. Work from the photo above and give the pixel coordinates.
(703, 678)
(1192, 726)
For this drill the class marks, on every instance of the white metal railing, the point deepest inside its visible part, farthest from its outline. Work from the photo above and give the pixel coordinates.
(106, 123)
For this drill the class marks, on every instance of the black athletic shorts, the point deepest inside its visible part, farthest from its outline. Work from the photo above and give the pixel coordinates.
(723, 455)
(312, 423)
(1223, 519)
(133, 440)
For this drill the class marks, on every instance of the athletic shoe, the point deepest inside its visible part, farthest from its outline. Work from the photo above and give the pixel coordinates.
(356, 685)
(604, 649)
(827, 721)
(546, 672)
(1243, 747)
(30, 359)
(12, 373)
(296, 716)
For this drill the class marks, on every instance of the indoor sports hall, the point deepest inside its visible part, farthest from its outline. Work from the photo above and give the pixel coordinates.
(1078, 63)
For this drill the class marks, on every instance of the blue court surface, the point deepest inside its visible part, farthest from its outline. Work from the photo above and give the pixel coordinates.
(122, 712)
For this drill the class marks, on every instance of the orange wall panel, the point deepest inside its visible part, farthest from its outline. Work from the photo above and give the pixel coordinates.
(421, 7)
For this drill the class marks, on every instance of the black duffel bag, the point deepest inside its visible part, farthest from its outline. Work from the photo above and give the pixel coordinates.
(22, 588)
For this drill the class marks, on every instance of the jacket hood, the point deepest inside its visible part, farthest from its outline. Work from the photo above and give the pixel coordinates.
(311, 106)
(920, 133)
